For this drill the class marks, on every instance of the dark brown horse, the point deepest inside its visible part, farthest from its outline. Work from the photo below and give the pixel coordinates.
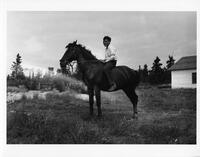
(93, 75)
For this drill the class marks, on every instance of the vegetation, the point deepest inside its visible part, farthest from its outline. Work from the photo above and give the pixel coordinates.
(157, 74)
(17, 70)
(165, 117)
(62, 83)
(59, 82)
(17, 76)
(170, 62)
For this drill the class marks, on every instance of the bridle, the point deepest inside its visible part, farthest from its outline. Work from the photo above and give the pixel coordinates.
(83, 61)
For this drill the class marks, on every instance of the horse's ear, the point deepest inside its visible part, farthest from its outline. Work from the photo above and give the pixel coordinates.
(74, 43)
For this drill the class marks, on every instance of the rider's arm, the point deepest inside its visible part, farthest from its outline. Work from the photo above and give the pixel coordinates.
(112, 55)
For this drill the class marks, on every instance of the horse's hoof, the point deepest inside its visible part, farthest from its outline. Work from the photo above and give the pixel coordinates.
(135, 117)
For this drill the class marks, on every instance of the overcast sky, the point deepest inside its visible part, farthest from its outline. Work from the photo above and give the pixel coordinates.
(41, 37)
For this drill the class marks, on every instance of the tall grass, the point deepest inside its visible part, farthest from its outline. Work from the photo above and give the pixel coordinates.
(62, 83)
(59, 82)
(62, 119)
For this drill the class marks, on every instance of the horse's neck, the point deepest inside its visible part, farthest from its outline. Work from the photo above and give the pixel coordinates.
(84, 56)
(85, 63)
(82, 62)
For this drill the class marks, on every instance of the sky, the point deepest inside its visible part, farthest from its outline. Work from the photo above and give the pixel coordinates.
(40, 37)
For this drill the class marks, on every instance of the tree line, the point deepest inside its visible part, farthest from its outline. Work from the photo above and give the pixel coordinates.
(157, 74)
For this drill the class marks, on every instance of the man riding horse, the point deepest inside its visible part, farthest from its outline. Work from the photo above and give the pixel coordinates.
(110, 61)
(99, 76)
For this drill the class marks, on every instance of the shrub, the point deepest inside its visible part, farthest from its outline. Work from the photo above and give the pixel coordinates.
(16, 89)
(31, 83)
(15, 82)
(61, 82)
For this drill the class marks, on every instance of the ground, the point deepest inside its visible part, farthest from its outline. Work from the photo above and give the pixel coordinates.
(165, 116)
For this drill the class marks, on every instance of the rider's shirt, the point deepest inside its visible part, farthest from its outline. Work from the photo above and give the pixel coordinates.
(110, 53)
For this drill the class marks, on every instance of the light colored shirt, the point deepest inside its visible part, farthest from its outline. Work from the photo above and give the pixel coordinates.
(110, 53)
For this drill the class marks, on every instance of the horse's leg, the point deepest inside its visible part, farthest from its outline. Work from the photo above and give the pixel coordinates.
(134, 99)
(91, 99)
(98, 100)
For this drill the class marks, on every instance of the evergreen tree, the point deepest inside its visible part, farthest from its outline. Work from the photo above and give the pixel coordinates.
(145, 73)
(140, 71)
(8, 77)
(17, 70)
(167, 74)
(157, 65)
(170, 62)
(156, 74)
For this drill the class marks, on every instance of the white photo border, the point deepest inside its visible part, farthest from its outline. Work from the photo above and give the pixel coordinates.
(92, 150)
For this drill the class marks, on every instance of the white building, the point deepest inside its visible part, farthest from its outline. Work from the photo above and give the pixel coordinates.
(183, 73)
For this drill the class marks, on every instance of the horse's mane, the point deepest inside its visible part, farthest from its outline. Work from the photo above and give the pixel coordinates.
(86, 53)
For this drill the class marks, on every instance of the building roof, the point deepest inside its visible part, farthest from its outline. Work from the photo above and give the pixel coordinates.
(185, 63)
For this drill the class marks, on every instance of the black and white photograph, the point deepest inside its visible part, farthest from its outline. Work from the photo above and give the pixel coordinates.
(101, 78)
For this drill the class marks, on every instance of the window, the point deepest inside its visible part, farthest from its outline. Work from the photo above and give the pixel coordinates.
(194, 79)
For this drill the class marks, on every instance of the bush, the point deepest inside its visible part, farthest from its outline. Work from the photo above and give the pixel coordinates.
(16, 89)
(31, 83)
(61, 82)
(15, 82)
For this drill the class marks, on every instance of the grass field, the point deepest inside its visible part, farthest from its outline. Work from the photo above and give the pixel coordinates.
(165, 116)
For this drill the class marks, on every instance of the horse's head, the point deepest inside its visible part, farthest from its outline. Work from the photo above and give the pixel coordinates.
(70, 54)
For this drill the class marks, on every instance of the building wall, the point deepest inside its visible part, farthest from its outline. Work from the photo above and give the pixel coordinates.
(182, 79)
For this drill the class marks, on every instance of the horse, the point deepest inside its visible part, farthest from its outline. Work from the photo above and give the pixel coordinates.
(95, 79)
